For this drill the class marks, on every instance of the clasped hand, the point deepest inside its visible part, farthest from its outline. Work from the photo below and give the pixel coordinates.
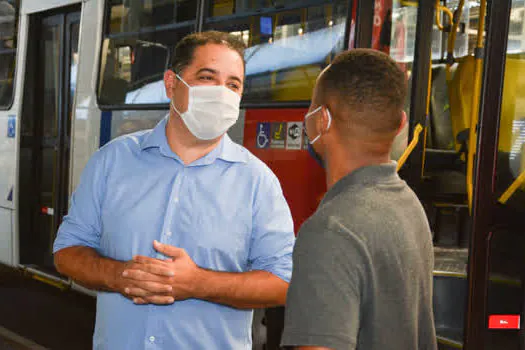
(147, 280)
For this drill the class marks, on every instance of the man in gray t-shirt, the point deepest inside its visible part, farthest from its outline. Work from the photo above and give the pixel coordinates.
(362, 275)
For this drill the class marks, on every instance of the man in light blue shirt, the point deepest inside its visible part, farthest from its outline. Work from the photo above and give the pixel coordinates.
(222, 229)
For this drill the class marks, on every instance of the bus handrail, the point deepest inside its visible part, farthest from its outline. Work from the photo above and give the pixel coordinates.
(474, 118)
(447, 11)
(415, 140)
(520, 181)
(452, 38)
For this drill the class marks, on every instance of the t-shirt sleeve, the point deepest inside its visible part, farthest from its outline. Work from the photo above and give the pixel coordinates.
(325, 293)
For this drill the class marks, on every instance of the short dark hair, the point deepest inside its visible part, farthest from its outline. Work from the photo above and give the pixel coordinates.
(185, 49)
(369, 89)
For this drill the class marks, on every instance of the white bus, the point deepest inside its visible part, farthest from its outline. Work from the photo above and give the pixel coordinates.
(75, 74)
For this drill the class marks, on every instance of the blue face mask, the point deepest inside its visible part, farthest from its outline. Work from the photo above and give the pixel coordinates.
(311, 149)
(315, 155)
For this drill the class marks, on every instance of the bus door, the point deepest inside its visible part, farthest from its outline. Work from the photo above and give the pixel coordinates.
(465, 160)
(496, 282)
(50, 81)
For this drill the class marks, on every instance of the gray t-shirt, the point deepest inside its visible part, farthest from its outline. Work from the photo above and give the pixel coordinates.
(362, 275)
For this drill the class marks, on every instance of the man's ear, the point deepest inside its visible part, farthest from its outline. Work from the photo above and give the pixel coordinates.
(169, 82)
(326, 120)
(404, 121)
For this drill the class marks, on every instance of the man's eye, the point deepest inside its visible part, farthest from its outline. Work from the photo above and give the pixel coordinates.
(205, 78)
(234, 86)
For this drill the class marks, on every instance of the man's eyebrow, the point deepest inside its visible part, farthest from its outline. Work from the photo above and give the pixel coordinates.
(236, 78)
(207, 70)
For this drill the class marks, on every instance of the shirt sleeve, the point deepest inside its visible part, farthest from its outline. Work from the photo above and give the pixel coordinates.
(272, 233)
(325, 294)
(82, 225)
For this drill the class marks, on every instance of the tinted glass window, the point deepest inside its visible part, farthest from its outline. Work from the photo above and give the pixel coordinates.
(8, 33)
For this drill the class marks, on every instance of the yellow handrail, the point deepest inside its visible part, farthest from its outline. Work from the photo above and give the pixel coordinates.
(512, 188)
(425, 134)
(452, 37)
(441, 8)
(417, 131)
(478, 71)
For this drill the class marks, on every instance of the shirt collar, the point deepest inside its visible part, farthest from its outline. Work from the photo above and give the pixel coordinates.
(156, 137)
(368, 175)
(227, 150)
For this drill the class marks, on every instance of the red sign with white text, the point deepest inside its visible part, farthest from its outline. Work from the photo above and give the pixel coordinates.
(504, 322)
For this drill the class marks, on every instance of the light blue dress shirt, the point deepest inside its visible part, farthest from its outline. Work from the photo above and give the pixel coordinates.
(226, 210)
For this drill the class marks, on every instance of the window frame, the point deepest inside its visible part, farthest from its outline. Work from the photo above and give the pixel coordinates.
(14, 51)
(202, 20)
(146, 30)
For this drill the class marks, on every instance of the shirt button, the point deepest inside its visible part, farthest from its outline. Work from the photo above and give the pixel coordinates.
(168, 234)
(176, 199)
(152, 339)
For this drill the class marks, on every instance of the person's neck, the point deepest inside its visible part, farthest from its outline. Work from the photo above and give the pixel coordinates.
(341, 162)
(184, 144)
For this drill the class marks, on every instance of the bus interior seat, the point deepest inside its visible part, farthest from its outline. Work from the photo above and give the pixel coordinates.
(444, 161)
(441, 133)
(460, 92)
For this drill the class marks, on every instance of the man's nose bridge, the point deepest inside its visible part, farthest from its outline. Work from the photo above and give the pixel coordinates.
(221, 81)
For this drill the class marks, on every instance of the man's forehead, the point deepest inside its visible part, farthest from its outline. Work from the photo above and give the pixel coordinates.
(216, 52)
(223, 59)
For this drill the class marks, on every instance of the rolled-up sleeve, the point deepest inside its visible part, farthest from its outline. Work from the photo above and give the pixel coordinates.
(82, 225)
(273, 232)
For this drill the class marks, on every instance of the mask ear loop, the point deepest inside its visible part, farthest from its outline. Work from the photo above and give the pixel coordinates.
(329, 119)
(327, 127)
(185, 83)
(306, 118)
(312, 113)
(175, 108)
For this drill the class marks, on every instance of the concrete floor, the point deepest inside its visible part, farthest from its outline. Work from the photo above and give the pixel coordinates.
(43, 314)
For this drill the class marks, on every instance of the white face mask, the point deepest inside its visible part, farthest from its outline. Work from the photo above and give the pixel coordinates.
(212, 110)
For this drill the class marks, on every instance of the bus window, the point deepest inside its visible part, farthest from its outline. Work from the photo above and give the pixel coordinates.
(237, 7)
(136, 50)
(287, 48)
(8, 33)
(133, 15)
(511, 149)
(402, 25)
(404, 21)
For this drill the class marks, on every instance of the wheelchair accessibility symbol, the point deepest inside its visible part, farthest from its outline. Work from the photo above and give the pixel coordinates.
(263, 135)
(11, 127)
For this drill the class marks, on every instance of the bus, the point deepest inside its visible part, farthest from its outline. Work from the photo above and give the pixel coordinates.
(76, 74)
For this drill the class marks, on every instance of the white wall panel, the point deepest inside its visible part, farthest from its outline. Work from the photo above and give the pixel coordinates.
(6, 237)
